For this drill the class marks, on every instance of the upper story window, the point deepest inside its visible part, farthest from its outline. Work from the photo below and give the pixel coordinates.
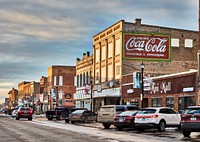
(97, 55)
(61, 80)
(175, 42)
(110, 50)
(188, 43)
(103, 53)
(54, 81)
(117, 46)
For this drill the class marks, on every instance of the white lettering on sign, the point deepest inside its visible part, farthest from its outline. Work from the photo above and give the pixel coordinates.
(146, 44)
(162, 87)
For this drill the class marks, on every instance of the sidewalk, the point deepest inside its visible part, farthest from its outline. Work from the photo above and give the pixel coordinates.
(93, 124)
(42, 117)
(39, 116)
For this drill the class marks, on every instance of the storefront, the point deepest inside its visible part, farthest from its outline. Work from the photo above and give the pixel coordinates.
(177, 91)
(109, 96)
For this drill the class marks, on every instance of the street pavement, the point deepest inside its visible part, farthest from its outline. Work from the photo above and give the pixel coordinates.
(42, 117)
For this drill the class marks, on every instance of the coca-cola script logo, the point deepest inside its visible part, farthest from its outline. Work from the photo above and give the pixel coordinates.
(147, 46)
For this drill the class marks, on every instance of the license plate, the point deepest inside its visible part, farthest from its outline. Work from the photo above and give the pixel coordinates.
(143, 119)
(25, 111)
(193, 118)
(121, 119)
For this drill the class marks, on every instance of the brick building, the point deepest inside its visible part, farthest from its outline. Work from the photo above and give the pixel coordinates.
(177, 90)
(61, 86)
(84, 68)
(13, 97)
(114, 56)
(27, 92)
(44, 97)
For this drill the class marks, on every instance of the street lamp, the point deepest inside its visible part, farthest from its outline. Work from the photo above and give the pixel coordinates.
(50, 99)
(91, 84)
(142, 87)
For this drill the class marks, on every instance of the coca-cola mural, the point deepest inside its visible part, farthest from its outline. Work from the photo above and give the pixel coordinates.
(146, 46)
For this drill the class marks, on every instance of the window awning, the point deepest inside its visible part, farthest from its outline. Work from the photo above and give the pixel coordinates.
(113, 92)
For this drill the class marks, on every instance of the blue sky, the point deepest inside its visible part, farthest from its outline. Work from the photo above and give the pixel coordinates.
(40, 33)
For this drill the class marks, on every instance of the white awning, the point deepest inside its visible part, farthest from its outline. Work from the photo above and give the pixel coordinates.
(113, 92)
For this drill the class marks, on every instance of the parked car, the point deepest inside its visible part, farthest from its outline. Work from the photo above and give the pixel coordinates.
(125, 120)
(190, 120)
(107, 112)
(24, 112)
(82, 116)
(157, 117)
(67, 113)
(14, 112)
(61, 113)
(56, 113)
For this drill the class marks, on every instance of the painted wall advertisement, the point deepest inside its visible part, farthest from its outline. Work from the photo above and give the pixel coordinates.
(146, 47)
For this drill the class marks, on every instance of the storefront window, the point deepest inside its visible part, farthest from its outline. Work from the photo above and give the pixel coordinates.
(156, 102)
(135, 103)
(184, 102)
(170, 102)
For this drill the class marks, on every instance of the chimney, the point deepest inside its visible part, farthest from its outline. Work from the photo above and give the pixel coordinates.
(88, 53)
(138, 22)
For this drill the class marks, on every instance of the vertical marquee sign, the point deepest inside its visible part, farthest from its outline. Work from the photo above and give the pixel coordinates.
(154, 47)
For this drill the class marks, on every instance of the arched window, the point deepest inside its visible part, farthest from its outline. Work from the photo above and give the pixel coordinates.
(87, 78)
(77, 81)
(81, 80)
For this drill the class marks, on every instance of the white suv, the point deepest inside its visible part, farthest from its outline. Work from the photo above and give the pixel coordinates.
(157, 117)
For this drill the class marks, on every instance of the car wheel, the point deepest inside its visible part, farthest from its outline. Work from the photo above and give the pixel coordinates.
(30, 118)
(58, 118)
(140, 129)
(186, 133)
(161, 126)
(119, 128)
(50, 118)
(17, 118)
(86, 120)
(66, 120)
(179, 127)
(106, 125)
(72, 122)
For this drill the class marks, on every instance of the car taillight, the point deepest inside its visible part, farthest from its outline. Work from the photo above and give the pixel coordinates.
(183, 118)
(30, 111)
(154, 116)
(116, 118)
(20, 111)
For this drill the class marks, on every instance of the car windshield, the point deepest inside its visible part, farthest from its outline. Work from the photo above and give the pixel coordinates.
(192, 111)
(78, 112)
(147, 111)
(27, 109)
(107, 109)
(127, 113)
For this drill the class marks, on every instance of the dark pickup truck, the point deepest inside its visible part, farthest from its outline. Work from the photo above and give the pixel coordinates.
(60, 113)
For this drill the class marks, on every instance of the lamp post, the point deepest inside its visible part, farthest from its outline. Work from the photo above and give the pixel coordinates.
(142, 87)
(33, 101)
(50, 99)
(91, 84)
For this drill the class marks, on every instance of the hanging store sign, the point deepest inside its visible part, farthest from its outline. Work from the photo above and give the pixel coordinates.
(146, 47)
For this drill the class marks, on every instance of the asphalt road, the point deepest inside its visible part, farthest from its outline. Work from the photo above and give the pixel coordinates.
(42, 130)
(24, 131)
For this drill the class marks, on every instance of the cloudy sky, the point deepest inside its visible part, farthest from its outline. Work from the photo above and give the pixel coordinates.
(39, 33)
